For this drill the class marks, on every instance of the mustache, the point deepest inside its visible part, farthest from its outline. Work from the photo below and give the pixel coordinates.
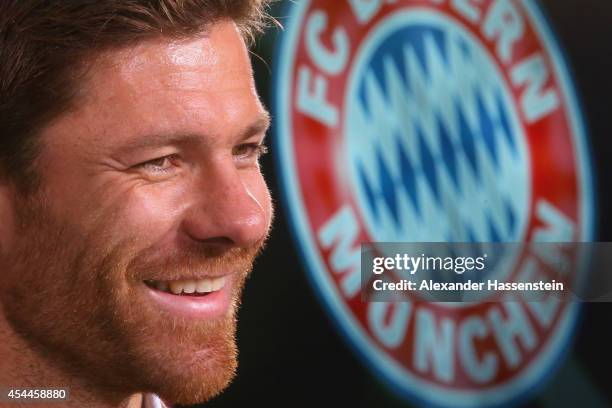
(195, 260)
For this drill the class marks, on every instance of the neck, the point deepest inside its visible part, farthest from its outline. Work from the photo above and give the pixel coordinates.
(22, 367)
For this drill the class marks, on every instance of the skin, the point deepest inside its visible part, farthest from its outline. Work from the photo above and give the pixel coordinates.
(153, 175)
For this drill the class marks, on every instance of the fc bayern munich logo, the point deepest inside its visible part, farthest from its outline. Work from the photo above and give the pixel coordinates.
(432, 121)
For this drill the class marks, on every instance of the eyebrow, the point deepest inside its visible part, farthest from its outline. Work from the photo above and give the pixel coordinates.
(259, 126)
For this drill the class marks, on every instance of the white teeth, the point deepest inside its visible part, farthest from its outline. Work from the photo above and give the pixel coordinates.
(210, 285)
(204, 286)
(190, 286)
(217, 284)
(176, 287)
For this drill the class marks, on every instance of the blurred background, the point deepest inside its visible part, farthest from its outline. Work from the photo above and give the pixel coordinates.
(292, 355)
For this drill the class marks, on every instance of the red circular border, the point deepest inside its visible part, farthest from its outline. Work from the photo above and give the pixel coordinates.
(319, 153)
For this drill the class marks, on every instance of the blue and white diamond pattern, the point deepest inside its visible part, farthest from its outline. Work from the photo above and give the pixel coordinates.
(436, 150)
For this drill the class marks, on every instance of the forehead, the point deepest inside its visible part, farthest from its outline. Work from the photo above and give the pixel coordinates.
(165, 79)
(197, 86)
(212, 56)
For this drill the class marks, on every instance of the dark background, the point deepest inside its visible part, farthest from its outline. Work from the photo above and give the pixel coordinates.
(291, 356)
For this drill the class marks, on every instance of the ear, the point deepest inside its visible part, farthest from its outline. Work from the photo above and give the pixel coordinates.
(8, 218)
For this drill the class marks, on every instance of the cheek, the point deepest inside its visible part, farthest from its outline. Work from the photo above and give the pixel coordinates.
(149, 213)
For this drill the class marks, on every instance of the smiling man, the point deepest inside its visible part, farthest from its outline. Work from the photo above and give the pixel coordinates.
(132, 204)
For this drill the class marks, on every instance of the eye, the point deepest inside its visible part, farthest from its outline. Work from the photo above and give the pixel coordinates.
(249, 151)
(159, 165)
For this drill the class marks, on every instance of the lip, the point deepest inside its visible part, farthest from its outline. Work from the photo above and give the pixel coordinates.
(211, 306)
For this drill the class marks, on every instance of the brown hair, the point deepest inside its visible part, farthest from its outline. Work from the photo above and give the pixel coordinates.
(43, 44)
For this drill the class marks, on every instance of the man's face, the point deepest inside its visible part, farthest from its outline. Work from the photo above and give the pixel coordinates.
(150, 186)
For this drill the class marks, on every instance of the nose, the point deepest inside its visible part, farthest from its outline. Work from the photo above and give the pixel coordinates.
(230, 208)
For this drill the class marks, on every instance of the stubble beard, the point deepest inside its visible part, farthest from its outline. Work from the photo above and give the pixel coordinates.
(78, 300)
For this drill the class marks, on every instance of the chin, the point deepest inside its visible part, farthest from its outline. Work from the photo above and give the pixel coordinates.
(196, 384)
(188, 366)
